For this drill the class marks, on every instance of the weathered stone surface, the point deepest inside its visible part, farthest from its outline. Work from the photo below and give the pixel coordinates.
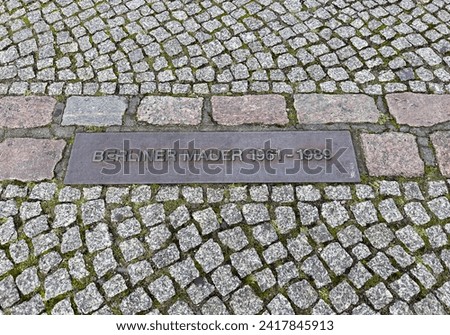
(170, 110)
(28, 159)
(249, 109)
(441, 143)
(26, 112)
(392, 154)
(419, 110)
(94, 111)
(328, 108)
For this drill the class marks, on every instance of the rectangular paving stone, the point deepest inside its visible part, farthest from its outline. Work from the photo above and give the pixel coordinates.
(170, 110)
(329, 108)
(419, 110)
(249, 109)
(392, 154)
(441, 144)
(26, 112)
(94, 111)
(131, 158)
(28, 159)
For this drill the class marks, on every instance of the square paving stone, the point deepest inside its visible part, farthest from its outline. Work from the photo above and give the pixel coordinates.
(336, 258)
(410, 238)
(29, 210)
(43, 191)
(19, 251)
(44, 242)
(104, 262)
(436, 236)
(326, 108)
(405, 287)
(286, 272)
(57, 283)
(114, 286)
(309, 214)
(299, 247)
(166, 256)
(389, 211)
(179, 216)
(412, 191)
(167, 193)
(65, 215)
(92, 211)
(207, 219)
(359, 275)
(313, 267)
(131, 249)
(162, 289)
(408, 108)
(349, 236)
(441, 144)
(275, 252)
(379, 235)
(137, 301)
(224, 280)
(440, 207)
(246, 302)
(279, 305)
(322, 308)
(284, 193)
(132, 227)
(285, 219)
(139, 271)
(189, 238)
(89, 299)
(302, 294)
(231, 214)
(320, 234)
(246, 262)
(437, 188)
(334, 214)
(15, 111)
(265, 279)
(98, 238)
(389, 188)
(45, 155)
(94, 111)
(264, 234)
(214, 306)
(180, 308)
(343, 296)
(71, 240)
(165, 110)
(416, 213)
(401, 256)
(152, 214)
(424, 276)
(259, 193)
(184, 272)
(392, 154)
(234, 238)
(379, 296)
(429, 306)
(34, 306)
(28, 280)
(5, 263)
(249, 109)
(77, 267)
(338, 192)
(307, 193)
(443, 293)
(8, 292)
(382, 266)
(157, 237)
(400, 308)
(209, 255)
(365, 213)
(34, 227)
(200, 290)
(255, 213)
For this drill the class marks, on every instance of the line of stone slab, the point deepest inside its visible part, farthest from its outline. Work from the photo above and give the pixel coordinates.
(386, 154)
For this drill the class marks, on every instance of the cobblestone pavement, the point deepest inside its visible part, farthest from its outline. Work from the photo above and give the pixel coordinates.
(376, 247)
(183, 47)
(380, 246)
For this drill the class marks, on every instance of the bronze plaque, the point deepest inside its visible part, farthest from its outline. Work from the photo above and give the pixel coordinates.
(212, 157)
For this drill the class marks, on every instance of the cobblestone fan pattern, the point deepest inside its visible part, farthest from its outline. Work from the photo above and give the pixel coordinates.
(199, 47)
(377, 247)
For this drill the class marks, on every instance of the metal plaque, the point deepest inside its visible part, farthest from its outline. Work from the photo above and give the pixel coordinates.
(212, 157)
